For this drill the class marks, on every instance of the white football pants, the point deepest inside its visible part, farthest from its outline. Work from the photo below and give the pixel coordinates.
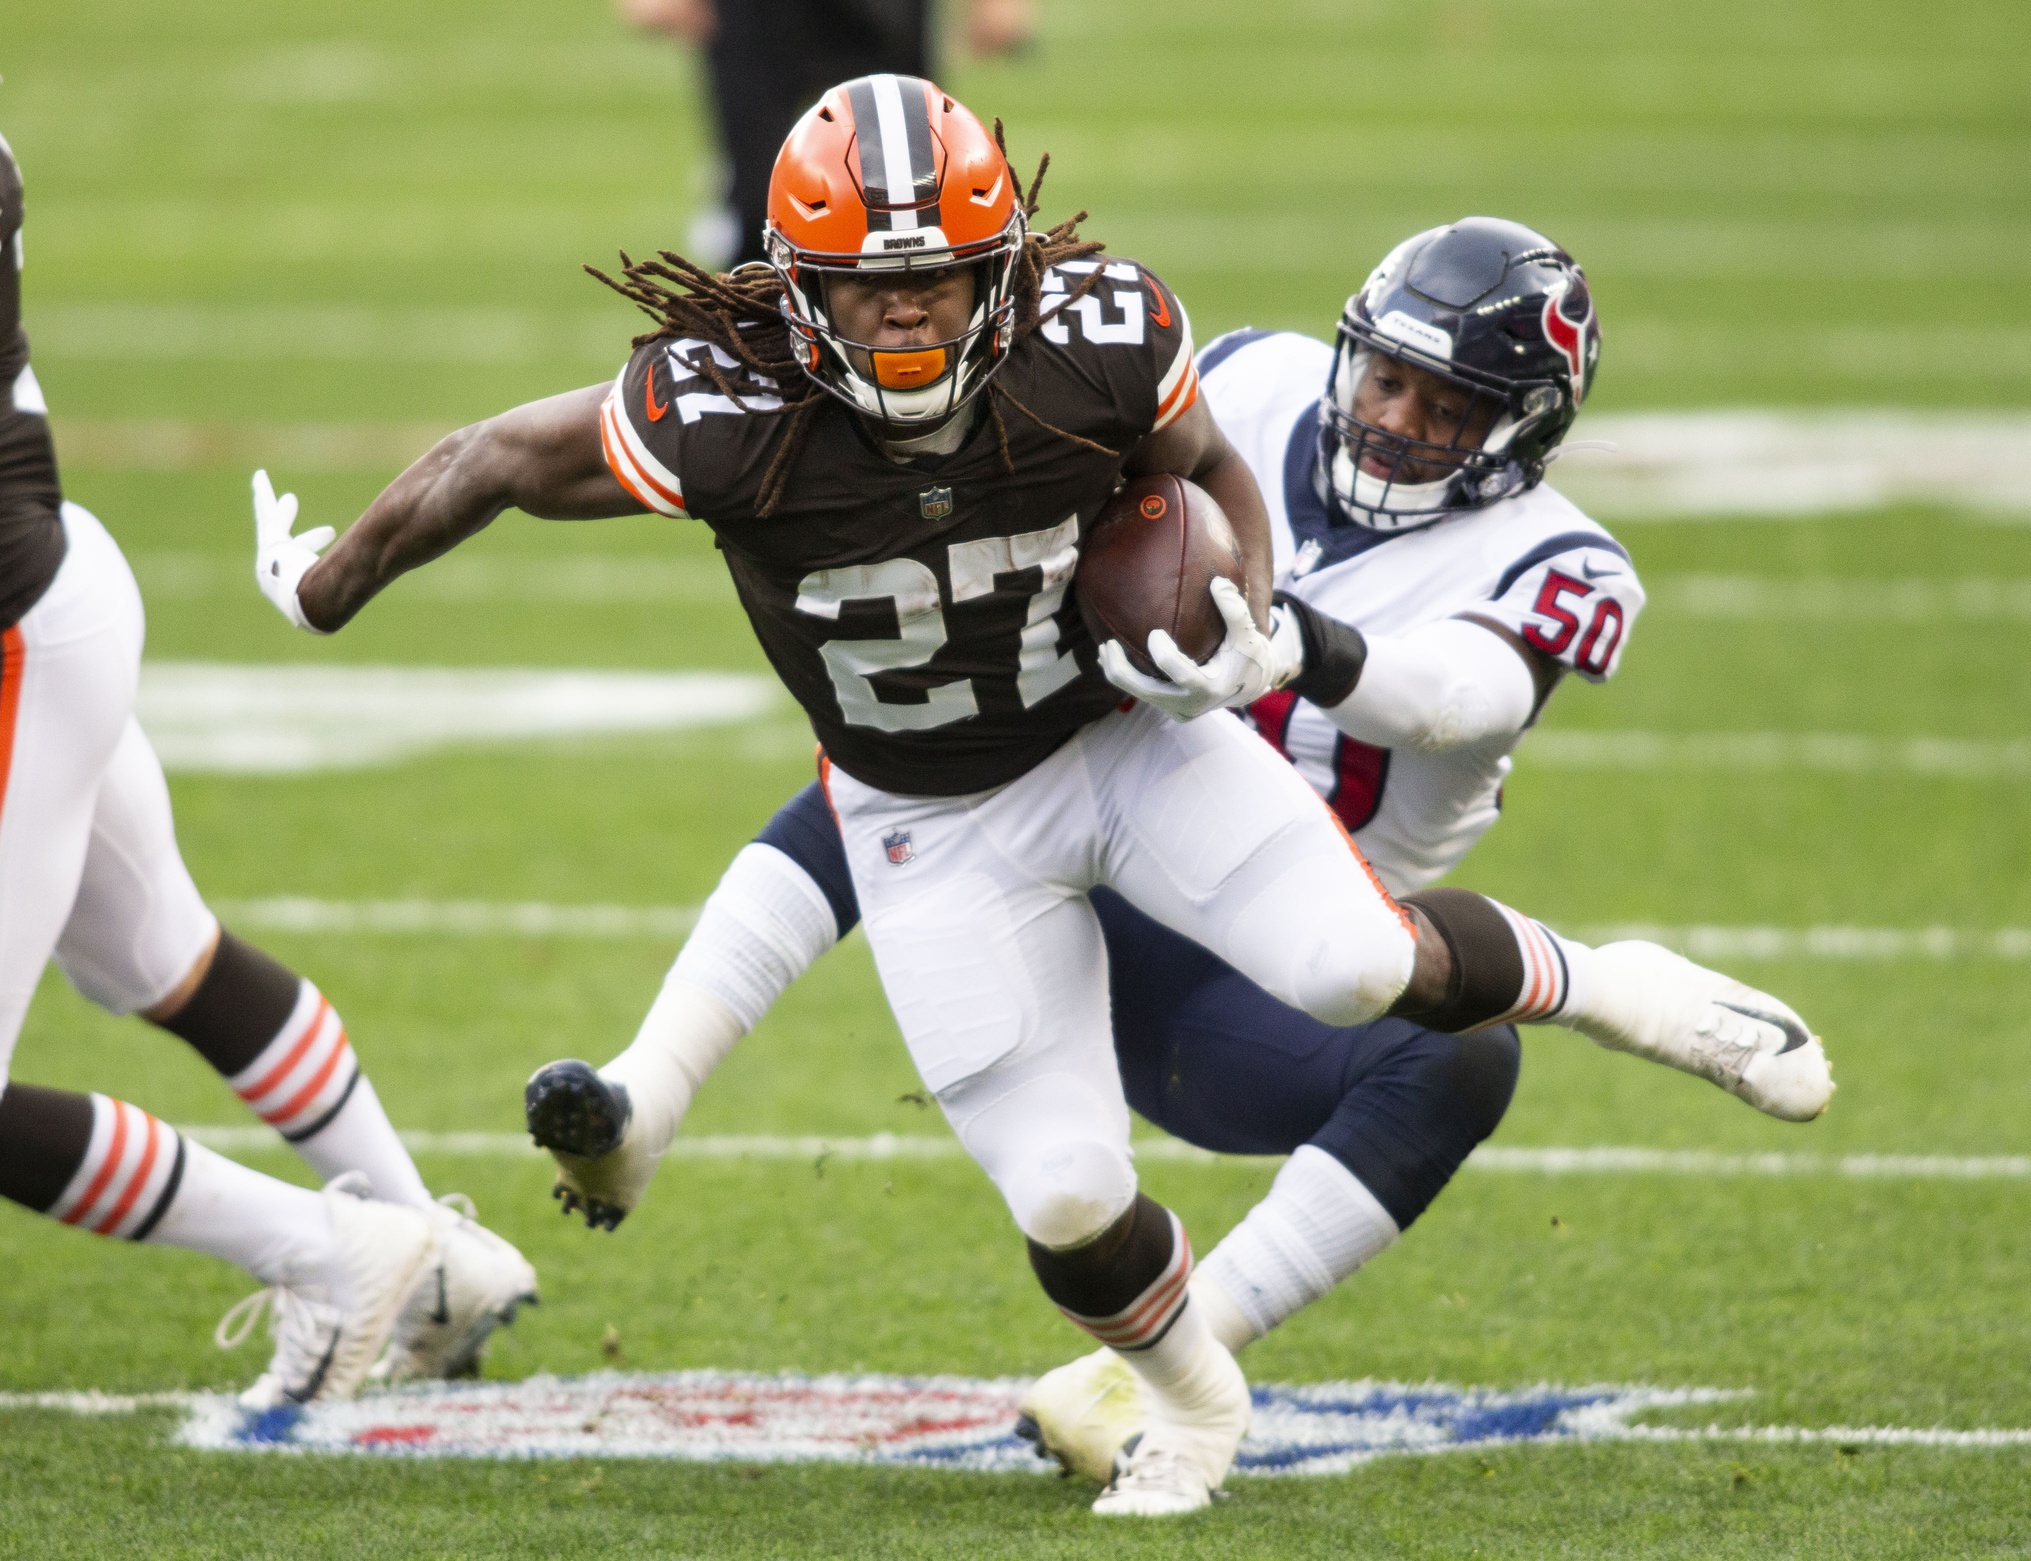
(992, 958)
(89, 869)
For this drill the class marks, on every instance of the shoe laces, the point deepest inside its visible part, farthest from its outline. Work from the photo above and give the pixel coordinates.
(459, 1203)
(294, 1323)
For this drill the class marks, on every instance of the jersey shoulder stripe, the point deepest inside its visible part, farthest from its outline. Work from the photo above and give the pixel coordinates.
(1179, 387)
(1221, 348)
(1551, 547)
(652, 484)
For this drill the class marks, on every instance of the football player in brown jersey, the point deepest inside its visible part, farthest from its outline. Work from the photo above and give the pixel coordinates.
(90, 875)
(899, 433)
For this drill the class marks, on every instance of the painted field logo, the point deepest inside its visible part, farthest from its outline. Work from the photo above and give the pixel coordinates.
(942, 1422)
(899, 848)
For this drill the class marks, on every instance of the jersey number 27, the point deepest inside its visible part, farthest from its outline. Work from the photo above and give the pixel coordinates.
(1041, 668)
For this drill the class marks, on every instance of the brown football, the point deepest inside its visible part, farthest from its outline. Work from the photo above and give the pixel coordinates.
(1155, 549)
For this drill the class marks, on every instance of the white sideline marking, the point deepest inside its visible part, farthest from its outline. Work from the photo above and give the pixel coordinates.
(1833, 753)
(1692, 465)
(460, 918)
(1604, 1160)
(1782, 602)
(953, 1423)
(283, 719)
(1667, 465)
(604, 579)
(536, 918)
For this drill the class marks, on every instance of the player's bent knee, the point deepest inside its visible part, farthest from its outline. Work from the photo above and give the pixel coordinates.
(1485, 1068)
(1070, 1193)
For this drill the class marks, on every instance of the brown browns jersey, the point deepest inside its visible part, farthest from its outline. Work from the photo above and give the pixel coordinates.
(918, 610)
(31, 532)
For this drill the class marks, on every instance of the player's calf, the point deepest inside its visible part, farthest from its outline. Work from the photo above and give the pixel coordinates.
(282, 1046)
(1128, 1288)
(1482, 964)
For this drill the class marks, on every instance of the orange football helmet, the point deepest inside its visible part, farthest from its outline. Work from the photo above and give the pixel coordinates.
(887, 173)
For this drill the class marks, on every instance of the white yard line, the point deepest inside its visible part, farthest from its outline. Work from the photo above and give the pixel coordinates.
(1600, 1160)
(459, 918)
(1665, 465)
(1832, 753)
(538, 918)
(1783, 602)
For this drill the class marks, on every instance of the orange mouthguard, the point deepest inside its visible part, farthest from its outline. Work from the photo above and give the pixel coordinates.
(908, 370)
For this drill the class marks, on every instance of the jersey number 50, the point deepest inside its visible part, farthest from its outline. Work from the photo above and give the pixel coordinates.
(1041, 670)
(1604, 633)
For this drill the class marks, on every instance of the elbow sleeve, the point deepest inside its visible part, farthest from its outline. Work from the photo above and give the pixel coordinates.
(1442, 685)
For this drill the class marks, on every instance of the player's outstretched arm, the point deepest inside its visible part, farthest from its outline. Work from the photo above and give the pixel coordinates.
(543, 458)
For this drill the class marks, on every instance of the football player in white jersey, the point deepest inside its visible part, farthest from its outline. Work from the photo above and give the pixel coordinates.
(90, 876)
(1407, 499)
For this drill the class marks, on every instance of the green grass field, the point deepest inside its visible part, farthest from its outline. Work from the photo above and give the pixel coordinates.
(245, 219)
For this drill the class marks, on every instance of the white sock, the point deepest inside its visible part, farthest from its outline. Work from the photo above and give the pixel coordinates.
(761, 928)
(1317, 1225)
(1581, 984)
(307, 1085)
(1183, 1367)
(361, 1138)
(279, 1233)
(1228, 1322)
(686, 1033)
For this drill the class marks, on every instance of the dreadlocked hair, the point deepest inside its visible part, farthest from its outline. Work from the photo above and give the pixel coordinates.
(740, 312)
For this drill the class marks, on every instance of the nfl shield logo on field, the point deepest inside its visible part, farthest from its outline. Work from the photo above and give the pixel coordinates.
(898, 847)
(935, 503)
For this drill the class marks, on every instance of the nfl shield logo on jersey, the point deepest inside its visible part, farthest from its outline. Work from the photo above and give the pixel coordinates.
(898, 847)
(935, 503)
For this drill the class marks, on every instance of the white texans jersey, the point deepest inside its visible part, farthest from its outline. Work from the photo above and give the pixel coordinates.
(1533, 563)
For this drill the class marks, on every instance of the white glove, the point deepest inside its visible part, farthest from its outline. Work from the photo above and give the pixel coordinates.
(1286, 647)
(1240, 672)
(280, 560)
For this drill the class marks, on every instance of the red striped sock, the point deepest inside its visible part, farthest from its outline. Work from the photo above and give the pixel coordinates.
(303, 1077)
(130, 1173)
(1147, 1318)
(1546, 980)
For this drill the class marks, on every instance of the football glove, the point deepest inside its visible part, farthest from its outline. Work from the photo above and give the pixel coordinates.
(281, 560)
(1240, 672)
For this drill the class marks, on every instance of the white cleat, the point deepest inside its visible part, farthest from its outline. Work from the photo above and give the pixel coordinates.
(323, 1350)
(476, 1285)
(1659, 1005)
(1084, 1413)
(1180, 1460)
(1155, 1482)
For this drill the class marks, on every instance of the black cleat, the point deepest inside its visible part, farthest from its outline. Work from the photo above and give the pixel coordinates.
(571, 1110)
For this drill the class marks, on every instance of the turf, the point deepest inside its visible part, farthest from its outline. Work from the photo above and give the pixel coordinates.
(244, 217)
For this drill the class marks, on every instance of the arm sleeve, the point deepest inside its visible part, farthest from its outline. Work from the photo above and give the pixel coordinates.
(1441, 685)
(1574, 598)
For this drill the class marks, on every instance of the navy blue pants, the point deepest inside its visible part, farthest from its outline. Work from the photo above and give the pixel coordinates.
(1210, 1057)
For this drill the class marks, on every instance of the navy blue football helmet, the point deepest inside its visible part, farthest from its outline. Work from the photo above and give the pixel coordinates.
(1498, 311)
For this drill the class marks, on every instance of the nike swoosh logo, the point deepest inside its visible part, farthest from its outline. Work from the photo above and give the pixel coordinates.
(1587, 568)
(1795, 1035)
(1161, 313)
(649, 396)
(442, 1315)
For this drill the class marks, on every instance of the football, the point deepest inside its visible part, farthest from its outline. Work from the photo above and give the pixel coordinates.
(1156, 548)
